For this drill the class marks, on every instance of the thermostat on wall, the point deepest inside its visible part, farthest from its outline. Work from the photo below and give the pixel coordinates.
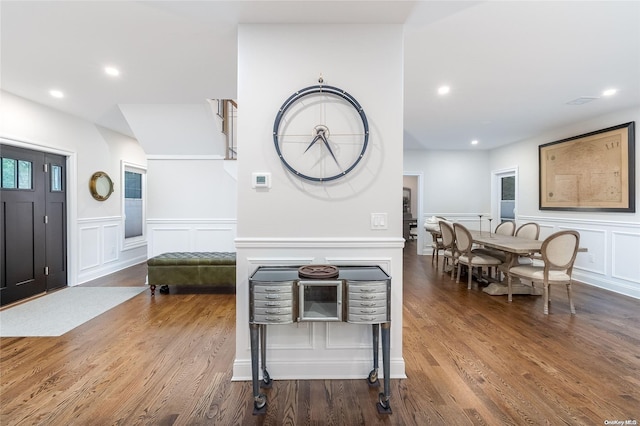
(261, 180)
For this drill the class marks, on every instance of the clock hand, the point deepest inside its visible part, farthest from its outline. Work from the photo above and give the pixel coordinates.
(312, 142)
(326, 143)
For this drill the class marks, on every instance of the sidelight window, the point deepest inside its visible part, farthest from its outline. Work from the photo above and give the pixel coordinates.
(133, 204)
(56, 178)
(17, 174)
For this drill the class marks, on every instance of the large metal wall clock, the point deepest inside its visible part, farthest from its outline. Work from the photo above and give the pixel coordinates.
(321, 133)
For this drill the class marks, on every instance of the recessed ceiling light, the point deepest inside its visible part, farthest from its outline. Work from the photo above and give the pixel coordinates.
(609, 92)
(112, 71)
(443, 90)
(474, 142)
(56, 93)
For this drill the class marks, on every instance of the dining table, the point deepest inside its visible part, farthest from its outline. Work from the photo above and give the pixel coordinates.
(513, 247)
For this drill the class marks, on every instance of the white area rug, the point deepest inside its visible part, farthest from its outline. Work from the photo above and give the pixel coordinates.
(56, 313)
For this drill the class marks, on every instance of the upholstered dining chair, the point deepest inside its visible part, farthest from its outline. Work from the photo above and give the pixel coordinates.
(507, 227)
(530, 230)
(559, 252)
(449, 245)
(436, 243)
(437, 246)
(466, 256)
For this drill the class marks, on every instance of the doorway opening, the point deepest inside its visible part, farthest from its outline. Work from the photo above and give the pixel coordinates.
(412, 210)
(504, 195)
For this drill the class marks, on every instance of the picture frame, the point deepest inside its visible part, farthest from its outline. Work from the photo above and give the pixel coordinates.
(591, 172)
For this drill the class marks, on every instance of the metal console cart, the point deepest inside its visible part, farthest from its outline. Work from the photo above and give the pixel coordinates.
(358, 295)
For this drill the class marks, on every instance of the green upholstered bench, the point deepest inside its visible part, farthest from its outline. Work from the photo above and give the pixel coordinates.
(191, 269)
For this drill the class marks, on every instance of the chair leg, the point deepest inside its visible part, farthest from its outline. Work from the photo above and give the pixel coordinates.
(458, 277)
(573, 309)
(546, 298)
(469, 273)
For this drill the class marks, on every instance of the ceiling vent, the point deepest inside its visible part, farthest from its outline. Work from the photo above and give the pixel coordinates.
(582, 100)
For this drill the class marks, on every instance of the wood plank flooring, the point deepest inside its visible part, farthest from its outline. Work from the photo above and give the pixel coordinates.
(471, 359)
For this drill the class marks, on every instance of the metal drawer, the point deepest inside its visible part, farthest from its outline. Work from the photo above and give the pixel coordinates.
(257, 297)
(367, 287)
(273, 319)
(367, 296)
(273, 288)
(379, 303)
(280, 303)
(368, 319)
(279, 310)
(376, 310)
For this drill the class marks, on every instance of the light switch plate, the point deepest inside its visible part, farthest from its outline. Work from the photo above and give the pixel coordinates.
(379, 221)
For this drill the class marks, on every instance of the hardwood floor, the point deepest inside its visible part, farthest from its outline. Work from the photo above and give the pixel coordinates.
(470, 359)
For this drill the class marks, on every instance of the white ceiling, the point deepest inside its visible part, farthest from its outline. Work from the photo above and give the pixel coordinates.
(512, 65)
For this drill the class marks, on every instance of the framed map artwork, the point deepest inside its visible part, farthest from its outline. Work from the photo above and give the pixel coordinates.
(590, 172)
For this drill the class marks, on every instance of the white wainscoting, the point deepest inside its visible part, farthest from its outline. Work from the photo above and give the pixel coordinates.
(318, 350)
(612, 260)
(101, 249)
(171, 235)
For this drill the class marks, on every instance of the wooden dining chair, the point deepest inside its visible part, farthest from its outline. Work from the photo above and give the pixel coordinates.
(529, 230)
(436, 243)
(468, 257)
(559, 252)
(437, 246)
(507, 227)
(448, 242)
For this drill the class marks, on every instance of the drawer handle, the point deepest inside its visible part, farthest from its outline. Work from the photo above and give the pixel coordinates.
(271, 319)
(274, 290)
(367, 290)
(366, 297)
(272, 296)
(272, 304)
(273, 311)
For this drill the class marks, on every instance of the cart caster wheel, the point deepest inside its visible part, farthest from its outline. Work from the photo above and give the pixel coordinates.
(266, 383)
(164, 289)
(383, 404)
(260, 405)
(373, 379)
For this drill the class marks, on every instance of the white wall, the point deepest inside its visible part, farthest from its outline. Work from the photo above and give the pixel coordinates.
(176, 129)
(294, 222)
(454, 181)
(191, 204)
(95, 229)
(456, 185)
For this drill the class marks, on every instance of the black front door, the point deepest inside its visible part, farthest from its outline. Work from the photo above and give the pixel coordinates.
(32, 223)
